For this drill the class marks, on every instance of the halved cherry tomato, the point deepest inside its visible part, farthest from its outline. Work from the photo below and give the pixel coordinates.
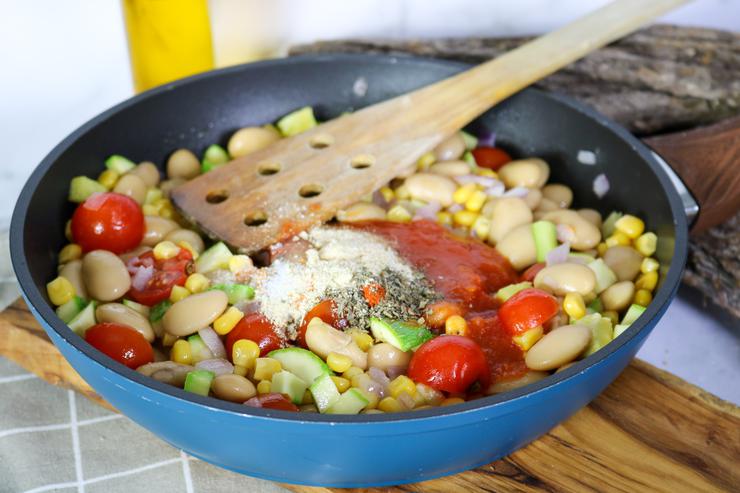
(255, 327)
(531, 272)
(490, 157)
(108, 221)
(121, 342)
(272, 401)
(450, 364)
(373, 293)
(526, 310)
(325, 311)
(167, 273)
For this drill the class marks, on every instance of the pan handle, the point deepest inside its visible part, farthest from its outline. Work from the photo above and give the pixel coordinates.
(690, 205)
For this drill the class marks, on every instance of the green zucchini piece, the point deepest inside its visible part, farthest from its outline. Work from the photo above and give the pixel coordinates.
(607, 227)
(157, 311)
(605, 277)
(468, 158)
(81, 187)
(403, 335)
(601, 332)
(284, 382)
(351, 402)
(119, 164)
(324, 392)
(216, 257)
(301, 362)
(199, 381)
(297, 122)
(235, 292)
(619, 329)
(545, 238)
(138, 307)
(83, 320)
(199, 349)
(596, 306)
(70, 309)
(633, 312)
(214, 157)
(470, 141)
(507, 292)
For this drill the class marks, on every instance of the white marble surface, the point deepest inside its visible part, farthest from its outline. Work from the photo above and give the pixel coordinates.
(64, 62)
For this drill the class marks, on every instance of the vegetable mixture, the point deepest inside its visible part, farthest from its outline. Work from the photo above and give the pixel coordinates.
(470, 277)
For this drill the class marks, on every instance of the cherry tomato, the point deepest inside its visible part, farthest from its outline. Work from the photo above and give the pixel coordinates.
(490, 157)
(272, 401)
(121, 342)
(167, 273)
(373, 293)
(531, 272)
(526, 310)
(450, 364)
(325, 311)
(108, 221)
(255, 327)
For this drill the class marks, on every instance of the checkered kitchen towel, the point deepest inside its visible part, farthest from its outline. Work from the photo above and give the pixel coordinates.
(52, 439)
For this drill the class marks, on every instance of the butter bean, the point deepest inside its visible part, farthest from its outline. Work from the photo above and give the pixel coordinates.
(105, 275)
(250, 139)
(360, 211)
(618, 296)
(72, 271)
(450, 168)
(531, 173)
(133, 186)
(183, 164)
(587, 235)
(591, 215)
(190, 236)
(122, 314)
(507, 385)
(167, 372)
(561, 279)
(451, 148)
(558, 347)
(194, 312)
(156, 228)
(232, 387)
(624, 261)
(148, 172)
(506, 214)
(533, 198)
(560, 194)
(547, 205)
(429, 187)
(322, 339)
(518, 246)
(385, 356)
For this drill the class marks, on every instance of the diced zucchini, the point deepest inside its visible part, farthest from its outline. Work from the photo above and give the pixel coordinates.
(284, 382)
(214, 157)
(596, 306)
(157, 311)
(83, 320)
(198, 348)
(601, 332)
(402, 335)
(633, 313)
(119, 164)
(216, 257)
(199, 381)
(235, 292)
(605, 277)
(619, 329)
(70, 309)
(138, 307)
(81, 187)
(297, 122)
(324, 392)
(607, 227)
(351, 402)
(507, 292)
(301, 362)
(545, 238)
(468, 158)
(470, 140)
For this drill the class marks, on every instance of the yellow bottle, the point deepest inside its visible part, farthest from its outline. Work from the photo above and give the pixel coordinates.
(168, 40)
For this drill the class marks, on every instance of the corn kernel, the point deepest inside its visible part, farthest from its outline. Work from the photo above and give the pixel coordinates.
(444, 218)
(240, 370)
(338, 362)
(464, 218)
(649, 265)
(353, 371)
(245, 353)
(476, 200)
(527, 339)
(68, 230)
(642, 297)
(185, 245)
(182, 352)
(402, 383)
(363, 340)
(630, 225)
(481, 227)
(398, 214)
(402, 192)
(150, 210)
(456, 325)
(425, 161)
(387, 193)
(169, 339)
(307, 397)
(647, 281)
(646, 244)
(341, 383)
(601, 248)
(264, 387)
(486, 172)
(390, 405)
(60, 290)
(108, 178)
(167, 211)
(463, 193)
(178, 293)
(618, 238)
(152, 195)
(165, 250)
(574, 306)
(226, 322)
(264, 368)
(70, 252)
(196, 282)
(612, 316)
(452, 400)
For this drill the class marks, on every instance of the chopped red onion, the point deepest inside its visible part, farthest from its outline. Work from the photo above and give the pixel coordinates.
(379, 199)
(601, 185)
(369, 385)
(136, 263)
(486, 138)
(141, 277)
(379, 376)
(247, 306)
(395, 371)
(586, 157)
(428, 211)
(455, 208)
(496, 190)
(520, 192)
(406, 400)
(213, 341)
(558, 255)
(219, 366)
(565, 233)
(484, 181)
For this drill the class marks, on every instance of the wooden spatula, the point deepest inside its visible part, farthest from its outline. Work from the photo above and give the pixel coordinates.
(298, 182)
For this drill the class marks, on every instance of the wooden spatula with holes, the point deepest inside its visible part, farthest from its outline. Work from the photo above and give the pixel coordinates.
(298, 182)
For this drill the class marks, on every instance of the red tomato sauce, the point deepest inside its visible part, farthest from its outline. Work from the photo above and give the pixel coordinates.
(464, 271)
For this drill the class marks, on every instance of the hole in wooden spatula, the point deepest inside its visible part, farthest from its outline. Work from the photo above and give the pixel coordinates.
(217, 196)
(311, 190)
(255, 218)
(321, 141)
(266, 169)
(362, 161)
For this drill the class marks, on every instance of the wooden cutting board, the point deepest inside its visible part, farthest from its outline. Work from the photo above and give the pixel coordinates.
(649, 431)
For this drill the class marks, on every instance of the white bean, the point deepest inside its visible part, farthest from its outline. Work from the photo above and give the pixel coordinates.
(624, 261)
(385, 356)
(122, 314)
(250, 139)
(451, 148)
(506, 214)
(560, 194)
(360, 211)
(168, 372)
(133, 186)
(156, 228)
(518, 246)
(195, 312)
(183, 164)
(450, 168)
(193, 238)
(232, 387)
(587, 235)
(322, 339)
(507, 385)
(429, 187)
(533, 198)
(547, 205)
(148, 172)
(72, 271)
(105, 275)
(591, 215)
(561, 279)
(618, 296)
(558, 347)
(531, 173)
